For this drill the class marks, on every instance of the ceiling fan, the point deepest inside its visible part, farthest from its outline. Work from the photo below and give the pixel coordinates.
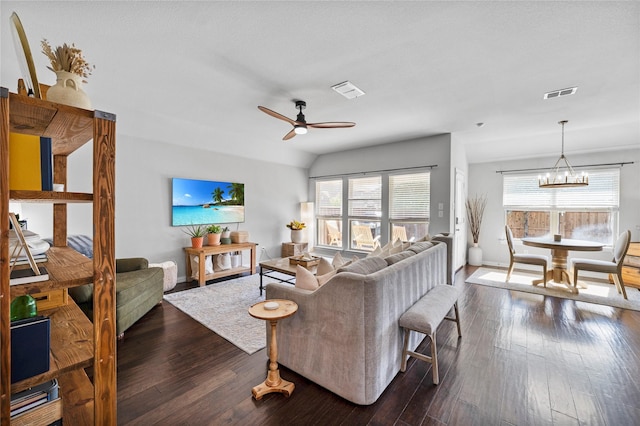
(300, 124)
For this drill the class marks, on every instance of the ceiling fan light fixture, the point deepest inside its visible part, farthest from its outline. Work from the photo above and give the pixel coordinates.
(300, 130)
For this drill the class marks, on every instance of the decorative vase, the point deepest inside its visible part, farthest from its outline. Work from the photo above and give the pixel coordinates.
(213, 239)
(475, 255)
(68, 91)
(197, 242)
(297, 235)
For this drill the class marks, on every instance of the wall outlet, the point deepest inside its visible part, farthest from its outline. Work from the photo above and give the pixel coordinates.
(440, 213)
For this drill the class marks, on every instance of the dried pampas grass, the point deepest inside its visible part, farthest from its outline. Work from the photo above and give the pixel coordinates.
(67, 58)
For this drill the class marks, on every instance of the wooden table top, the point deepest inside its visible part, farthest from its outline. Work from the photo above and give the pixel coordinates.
(564, 244)
(285, 309)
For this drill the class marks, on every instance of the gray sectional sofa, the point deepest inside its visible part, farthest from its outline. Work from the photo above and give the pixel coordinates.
(345, 335)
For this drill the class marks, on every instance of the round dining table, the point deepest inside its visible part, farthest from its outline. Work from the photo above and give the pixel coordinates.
(559, 254)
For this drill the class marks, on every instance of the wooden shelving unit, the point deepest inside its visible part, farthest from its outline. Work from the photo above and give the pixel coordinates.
(76, 343)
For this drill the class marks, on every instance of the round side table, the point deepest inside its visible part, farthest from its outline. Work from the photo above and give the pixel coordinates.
(273, 382)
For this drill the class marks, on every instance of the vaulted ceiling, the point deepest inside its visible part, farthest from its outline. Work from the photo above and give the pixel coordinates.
(193, 73)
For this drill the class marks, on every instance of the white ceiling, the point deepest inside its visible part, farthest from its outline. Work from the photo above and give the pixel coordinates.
(193, 73)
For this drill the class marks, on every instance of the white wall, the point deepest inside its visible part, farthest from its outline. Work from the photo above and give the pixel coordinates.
(483, 179)
(143, 197)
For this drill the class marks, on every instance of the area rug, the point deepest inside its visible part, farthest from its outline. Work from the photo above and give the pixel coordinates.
(596, 292)
(223, 307)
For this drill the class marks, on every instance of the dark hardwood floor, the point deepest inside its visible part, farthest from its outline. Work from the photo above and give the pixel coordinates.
(523, 360)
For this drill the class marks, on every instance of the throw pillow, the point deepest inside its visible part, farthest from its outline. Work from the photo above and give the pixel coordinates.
(305, 279)
(395, 258)
(324, 267)
(421, 246)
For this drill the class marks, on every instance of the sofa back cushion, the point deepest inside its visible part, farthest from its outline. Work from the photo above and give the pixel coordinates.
(395, 258)
(365, 266)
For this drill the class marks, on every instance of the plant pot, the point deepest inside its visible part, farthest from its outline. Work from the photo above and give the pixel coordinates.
(475, 255)
(68, 91)
(197, 242)
(297, 235)
(213, 239)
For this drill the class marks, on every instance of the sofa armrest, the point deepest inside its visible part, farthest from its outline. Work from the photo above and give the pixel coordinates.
(131, 264)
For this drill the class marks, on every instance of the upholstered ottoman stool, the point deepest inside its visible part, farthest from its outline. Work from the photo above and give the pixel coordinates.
(424, 317)
(170, 269)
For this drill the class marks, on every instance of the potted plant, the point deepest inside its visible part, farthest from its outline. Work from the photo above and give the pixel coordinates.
(225, 238)
(297, 233)
(213, 235)
(475, 211)
(196, 232)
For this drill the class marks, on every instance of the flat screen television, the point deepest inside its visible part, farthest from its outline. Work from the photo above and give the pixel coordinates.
(203, 202)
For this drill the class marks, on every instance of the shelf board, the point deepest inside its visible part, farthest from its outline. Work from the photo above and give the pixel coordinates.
(55, 197)
(67, 268)
(68, 126)
(77, 394)
(71, 344)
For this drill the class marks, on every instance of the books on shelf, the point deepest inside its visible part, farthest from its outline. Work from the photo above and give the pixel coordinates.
(30, 162)
(24, 276)
(33, 397)
(24, 260)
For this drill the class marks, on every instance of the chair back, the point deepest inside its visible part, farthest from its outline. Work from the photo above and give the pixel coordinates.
(399, 233)
(621, 247)
(507, 230)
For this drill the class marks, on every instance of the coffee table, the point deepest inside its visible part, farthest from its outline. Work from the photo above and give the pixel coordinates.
(282, 266)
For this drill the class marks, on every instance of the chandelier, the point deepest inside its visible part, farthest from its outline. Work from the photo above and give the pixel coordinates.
(562, 174)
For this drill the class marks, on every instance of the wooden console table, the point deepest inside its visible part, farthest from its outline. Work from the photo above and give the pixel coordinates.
(213, 250)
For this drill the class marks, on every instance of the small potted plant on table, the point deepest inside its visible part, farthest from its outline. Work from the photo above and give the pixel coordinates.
(213, 235)
(196, 232)
(297, 233)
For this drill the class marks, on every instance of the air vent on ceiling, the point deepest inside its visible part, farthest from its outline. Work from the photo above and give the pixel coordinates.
(559, 93)
(348, 90)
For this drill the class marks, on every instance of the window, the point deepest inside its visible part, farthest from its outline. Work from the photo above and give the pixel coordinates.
(365, 211)
(379, 208)
(329, 212)
(409, 206)
(586, 213)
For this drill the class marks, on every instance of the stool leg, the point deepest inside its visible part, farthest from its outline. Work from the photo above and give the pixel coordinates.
(434, 359)
(455, 308)
(403, 366)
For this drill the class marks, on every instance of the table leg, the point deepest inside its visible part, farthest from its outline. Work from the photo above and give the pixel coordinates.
(202, 279)
(273, 382)
(261, 273)
(559, 264)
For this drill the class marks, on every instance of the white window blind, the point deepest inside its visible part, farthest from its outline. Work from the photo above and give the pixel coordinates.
(603, 192)
(409, 196)
(329, 197)
(365, 197)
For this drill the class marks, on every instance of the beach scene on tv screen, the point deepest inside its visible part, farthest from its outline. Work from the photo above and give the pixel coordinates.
(201, 202)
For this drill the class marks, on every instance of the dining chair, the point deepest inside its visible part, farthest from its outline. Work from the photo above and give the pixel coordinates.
(613, 267)
(529, 259)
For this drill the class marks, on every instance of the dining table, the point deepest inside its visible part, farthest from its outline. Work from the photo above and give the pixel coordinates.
(559, 253)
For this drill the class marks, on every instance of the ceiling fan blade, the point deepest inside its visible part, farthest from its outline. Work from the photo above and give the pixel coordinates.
(331, 124)
(276, 115)
(289, 135)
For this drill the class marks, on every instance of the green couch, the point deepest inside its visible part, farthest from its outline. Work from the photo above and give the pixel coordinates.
(138, 289)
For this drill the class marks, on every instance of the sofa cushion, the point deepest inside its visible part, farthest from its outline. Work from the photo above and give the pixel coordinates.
(324, 267)
(307, 281)
(420, 246)
(365, 266)
(82, 294)
(395, 258)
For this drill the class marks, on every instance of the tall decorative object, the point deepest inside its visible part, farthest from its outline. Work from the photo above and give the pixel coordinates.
(475, 212)
(71, 69)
